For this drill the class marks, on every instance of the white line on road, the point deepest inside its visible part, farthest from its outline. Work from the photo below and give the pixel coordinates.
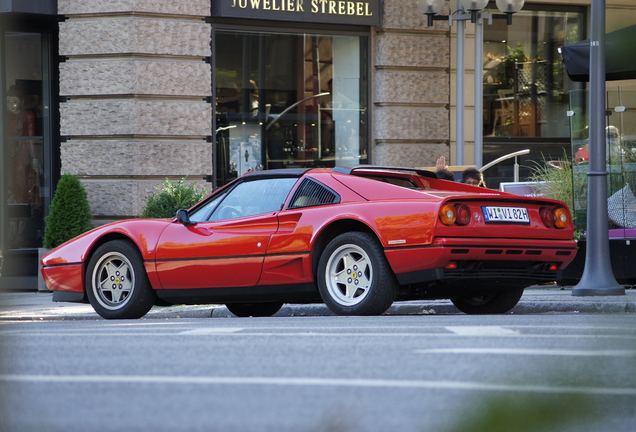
(312, 334)
(318, 382)
(523, 351)
(481, 331)
(210, 331)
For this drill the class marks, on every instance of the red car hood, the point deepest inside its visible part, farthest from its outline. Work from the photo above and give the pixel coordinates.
(144, 232)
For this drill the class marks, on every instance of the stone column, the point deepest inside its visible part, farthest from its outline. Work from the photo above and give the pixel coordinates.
(136, 82)
(411, 88)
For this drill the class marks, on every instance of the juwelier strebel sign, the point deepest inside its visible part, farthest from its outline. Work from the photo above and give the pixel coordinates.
(363, 12)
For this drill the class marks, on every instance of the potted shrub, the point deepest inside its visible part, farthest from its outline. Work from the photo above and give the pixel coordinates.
(70, 215)
(171, 197)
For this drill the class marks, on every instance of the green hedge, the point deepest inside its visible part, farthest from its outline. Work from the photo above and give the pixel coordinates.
(171, 197)
(70, 214)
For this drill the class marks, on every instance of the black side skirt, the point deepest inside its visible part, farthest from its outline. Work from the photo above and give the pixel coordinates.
(296, 293)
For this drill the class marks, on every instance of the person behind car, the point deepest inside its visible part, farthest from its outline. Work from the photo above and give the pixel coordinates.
(473, 177)
(441, 170)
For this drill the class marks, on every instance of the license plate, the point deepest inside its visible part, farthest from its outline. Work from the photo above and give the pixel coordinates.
(506, 214)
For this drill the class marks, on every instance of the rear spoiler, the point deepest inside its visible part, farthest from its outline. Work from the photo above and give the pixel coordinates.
(351, 169)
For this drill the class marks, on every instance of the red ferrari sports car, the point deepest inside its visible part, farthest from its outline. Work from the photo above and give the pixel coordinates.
(355, 238)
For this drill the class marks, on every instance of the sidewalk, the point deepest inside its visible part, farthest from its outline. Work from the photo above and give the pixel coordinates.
(38, 306)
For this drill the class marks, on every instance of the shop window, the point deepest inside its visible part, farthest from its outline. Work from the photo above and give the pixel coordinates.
(26, 177)
(525, 83)
(289, 100)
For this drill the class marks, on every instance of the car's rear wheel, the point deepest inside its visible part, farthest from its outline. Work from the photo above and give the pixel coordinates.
(254, 309)
(117, 285)
(494, 303)
(354, 277)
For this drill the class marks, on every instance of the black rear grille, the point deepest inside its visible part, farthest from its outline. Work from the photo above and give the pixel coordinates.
(523, 270)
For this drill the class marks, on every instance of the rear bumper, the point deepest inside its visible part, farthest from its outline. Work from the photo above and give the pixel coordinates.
(491, 259)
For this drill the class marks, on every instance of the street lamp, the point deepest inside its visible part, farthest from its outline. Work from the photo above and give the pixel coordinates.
(432, 8)
(474, 6)
(510, 7)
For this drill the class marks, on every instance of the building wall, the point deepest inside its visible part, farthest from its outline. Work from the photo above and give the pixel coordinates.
(136, 80)
(136, 83)
(410, 91)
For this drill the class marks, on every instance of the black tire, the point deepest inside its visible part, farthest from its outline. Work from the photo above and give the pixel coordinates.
(495, 303)
(254, 309)
(117, 285)
(354, 276)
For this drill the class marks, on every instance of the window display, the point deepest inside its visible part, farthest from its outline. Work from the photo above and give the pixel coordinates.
(289, 100)
(525, 83)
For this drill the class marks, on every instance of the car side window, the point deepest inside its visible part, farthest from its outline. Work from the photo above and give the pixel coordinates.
(203, 213)
(254, 197)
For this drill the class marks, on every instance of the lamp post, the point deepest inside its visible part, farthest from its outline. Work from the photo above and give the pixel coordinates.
(432, 8)
(475, 7)
(597, 278)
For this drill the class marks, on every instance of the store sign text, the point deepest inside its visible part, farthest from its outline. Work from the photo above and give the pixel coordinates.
(333, 7)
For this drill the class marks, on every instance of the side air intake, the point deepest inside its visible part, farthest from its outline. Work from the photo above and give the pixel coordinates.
(311, 193)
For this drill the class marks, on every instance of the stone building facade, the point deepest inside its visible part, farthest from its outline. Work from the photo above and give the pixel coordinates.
(135, 81)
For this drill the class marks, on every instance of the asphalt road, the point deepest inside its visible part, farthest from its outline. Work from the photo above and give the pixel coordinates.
(322, 373)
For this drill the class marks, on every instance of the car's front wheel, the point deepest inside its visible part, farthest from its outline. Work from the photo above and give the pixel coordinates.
(494, 303)
(354, 277)
(254, 309)
(117, 285)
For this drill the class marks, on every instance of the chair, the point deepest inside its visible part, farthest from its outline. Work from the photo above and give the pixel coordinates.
(507, 110)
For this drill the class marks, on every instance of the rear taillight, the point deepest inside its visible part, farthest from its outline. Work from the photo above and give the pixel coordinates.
(561, 218)
(547, 216)
(554, 217)
(463, 214)
(448, 214)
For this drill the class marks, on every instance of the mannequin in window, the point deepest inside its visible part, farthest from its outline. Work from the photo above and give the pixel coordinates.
(25, 167)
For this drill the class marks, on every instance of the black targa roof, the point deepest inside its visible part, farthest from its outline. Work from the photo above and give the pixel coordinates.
(620, 56)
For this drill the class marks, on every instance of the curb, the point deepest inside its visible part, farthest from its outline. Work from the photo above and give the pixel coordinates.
(535, 302)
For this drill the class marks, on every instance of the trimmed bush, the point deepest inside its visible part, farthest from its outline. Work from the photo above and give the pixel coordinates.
(70, 213)
(171, 197)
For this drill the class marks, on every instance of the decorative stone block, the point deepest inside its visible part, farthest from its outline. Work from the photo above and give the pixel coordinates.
(135, 76)
(137, 157)
(407, 50)
(411, 123)
(408, 155)
(405, 15)
(122, 198)
(190, 7)
(134, 35)
(393, 86)
(135, 117)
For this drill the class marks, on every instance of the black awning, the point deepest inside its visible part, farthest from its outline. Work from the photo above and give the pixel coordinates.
(620, 56)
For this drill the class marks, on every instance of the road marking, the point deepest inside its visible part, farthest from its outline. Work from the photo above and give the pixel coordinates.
(313, 334)
(210, 331)
(523, 351)
(481, 331)
(318, 382)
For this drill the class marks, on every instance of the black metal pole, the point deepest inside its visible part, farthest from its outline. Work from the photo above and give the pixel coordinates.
(597, 279)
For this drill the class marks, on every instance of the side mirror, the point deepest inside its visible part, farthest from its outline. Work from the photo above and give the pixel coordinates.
(183, 218)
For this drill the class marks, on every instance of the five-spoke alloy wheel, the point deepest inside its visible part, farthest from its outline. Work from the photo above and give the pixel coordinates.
(116, 282)
(354, 277)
